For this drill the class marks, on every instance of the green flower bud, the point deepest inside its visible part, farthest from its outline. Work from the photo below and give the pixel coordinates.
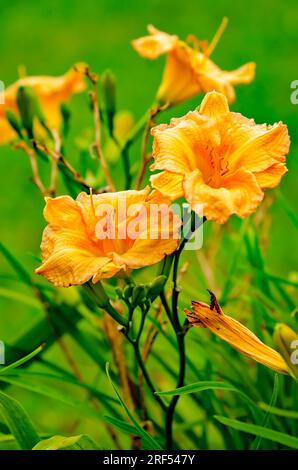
(287, 343)
(14, 122)
(156, 287)
(109, 93)
(127, 292)
(26, 108)
(139, 292)
(119, 292)
(66, 115)
(29, 108)
(97, 294)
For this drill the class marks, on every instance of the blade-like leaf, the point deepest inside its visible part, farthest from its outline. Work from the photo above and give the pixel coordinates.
(275, 436)
(256, 444)
(198, 387)
(18, 422)
(22, 361)
(81, 442)
(150, 442)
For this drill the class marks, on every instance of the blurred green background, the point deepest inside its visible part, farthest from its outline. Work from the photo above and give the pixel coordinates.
(49, 36)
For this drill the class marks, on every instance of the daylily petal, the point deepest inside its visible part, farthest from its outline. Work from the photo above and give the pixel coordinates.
(176, 148)
(154, 45)
(62, 211)
(236, 334)
(69, 256)
(146, 252)
(169, 184)
(271, 177)
(266, 146)
(214, 105)
(239, 194)
(245, 193)
(179, 81)
(107, 271)
(69, 266)
(244, 74)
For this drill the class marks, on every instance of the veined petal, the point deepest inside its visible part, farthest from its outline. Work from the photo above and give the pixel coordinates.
(69, 256)
(245, 192)
(239, 194)
(236, 334)
(69, 266)
(214, 105)
(145, 252)
(180, 81)
(169, 184)
(159, 236)
(266, 146)
(62, 211)
(107, 271)
(176, 147)
(271, 177)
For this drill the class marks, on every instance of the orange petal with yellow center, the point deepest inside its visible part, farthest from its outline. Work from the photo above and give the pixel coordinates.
(237, 335)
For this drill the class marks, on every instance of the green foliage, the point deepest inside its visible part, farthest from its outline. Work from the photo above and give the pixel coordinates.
(18, 422)
(80, 442)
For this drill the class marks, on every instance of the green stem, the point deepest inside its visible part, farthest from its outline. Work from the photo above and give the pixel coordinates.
(136, 345)
(180, 334)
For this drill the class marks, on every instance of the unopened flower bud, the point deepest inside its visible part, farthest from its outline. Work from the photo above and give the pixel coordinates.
(29, 107)
(138, 294)
(109, 90)
(156, 287)
(127, 292)
(287, 343)
(14, 122)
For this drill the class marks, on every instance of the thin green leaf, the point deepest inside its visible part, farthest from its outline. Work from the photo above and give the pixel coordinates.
(22, 361)
(153, 445)
(256, 444)
(275, 436)
(122, 426)
(278, 411)
(198, 387)
(18, 422)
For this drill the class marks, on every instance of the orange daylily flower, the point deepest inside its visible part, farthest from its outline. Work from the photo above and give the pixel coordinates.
(236, 334)
(189, 71)
(51, 92)
(98, 236)
(218, 159)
